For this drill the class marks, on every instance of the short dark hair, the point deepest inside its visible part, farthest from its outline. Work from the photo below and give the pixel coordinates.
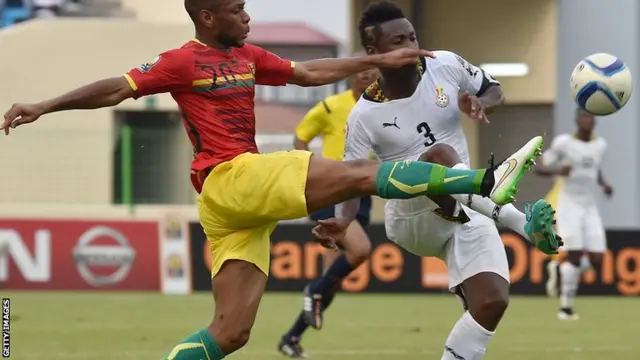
(193, 7)
(373, 16)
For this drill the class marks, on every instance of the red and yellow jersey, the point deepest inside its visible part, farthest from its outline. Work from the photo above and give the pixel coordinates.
(215, 92)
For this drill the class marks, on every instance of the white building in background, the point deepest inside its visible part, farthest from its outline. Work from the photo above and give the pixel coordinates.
(329, 16)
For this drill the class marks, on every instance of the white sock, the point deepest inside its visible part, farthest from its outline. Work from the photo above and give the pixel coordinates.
(570, 278)
(585, 263)
(468, 340)
(507, 215)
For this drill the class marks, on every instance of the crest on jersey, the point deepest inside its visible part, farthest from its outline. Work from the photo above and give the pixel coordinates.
(252, 67)
(147, 67)
(442, 99)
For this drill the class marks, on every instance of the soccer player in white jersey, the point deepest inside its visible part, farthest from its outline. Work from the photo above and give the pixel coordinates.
(413, 113)
(576, 159)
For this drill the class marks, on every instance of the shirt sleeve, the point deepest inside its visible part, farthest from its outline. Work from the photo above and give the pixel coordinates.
(468, 76)
(605, 146)
(313, 123)
(357, 143)
(555, 153)
(270, 68)
(166, 73)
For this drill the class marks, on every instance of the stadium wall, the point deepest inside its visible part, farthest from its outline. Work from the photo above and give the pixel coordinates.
(520, 31)
(297, 259)
(68, 157)
(169, 254)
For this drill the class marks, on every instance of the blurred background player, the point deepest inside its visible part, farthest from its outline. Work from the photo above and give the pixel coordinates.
(577, 160)
(329, 119)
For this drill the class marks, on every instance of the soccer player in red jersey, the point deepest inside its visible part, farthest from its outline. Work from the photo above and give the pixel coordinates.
(243, 194)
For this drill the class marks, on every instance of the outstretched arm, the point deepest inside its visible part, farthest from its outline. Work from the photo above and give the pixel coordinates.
(327, 71)
(272, 70)
(102, 93)
(480, 92)
(165, 74)
(492, 98)
(99, 94)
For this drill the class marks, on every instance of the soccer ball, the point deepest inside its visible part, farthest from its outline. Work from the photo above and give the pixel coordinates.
(601, 84)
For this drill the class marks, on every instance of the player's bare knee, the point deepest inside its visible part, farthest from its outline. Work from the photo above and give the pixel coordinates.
(489, 298)
(231, 336)
(493, 303)
(358, 251)
(442, 154)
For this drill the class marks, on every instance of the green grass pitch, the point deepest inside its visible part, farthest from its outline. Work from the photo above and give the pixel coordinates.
(109, 326)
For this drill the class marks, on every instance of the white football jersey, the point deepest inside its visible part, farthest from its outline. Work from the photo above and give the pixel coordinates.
(585, 158)
(404, 129)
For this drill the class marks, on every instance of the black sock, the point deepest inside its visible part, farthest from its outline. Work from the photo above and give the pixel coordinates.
(327, 299)
(328, 281)
(488, 182)
(298, 328)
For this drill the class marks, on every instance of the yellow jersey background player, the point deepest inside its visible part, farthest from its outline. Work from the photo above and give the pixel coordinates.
(328, 119)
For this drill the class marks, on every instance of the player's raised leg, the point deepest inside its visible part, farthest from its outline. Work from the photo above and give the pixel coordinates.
(409, 179)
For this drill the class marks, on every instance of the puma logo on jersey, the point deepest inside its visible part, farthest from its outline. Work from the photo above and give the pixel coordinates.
(394, 124)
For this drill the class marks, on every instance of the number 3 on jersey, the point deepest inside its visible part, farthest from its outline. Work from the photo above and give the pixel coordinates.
(424, 129)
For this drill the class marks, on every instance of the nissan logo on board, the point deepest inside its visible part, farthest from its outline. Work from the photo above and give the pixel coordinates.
(103, 256)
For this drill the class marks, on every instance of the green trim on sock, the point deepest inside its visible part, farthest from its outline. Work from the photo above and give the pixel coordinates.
(197, 346)
(410, 179)
(477, 180)
(210, 345)
(382, 179)
(436, 180)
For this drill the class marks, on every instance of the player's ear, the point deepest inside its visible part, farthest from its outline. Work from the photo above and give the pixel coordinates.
(207, 18)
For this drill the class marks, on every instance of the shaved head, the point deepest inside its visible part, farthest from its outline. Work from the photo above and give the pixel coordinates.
(193, 7)
(219, 23)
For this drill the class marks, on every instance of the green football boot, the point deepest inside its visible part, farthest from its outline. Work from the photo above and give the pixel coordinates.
(539, 227)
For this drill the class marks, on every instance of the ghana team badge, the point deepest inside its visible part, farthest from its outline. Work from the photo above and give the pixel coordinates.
(442, 99)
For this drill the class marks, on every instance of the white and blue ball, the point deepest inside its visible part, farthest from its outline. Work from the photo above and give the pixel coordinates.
(601, 84)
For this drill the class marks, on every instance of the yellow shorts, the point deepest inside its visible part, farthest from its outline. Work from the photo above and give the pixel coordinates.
(242, 201)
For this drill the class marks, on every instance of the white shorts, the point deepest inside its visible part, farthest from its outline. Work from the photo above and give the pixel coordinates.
(580, 226)
(468, 249)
